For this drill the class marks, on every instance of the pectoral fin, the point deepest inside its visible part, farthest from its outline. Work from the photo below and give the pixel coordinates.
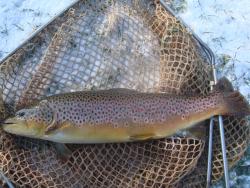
(63, 151)
(142, 137)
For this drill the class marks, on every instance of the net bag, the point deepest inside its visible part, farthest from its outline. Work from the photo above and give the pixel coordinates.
(100, 45)
(35, 164)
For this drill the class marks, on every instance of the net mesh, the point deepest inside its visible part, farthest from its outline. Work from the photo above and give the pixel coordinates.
(237, 134)
(35, 164)
(236, 139)
(101, 45)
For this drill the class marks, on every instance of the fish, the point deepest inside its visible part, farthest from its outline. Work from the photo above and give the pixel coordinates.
(119, 115)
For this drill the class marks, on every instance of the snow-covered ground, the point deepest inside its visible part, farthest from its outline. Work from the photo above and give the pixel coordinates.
(20, 18)
(222, 24)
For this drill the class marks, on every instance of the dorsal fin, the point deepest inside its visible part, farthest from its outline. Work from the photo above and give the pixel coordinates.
(122, 90)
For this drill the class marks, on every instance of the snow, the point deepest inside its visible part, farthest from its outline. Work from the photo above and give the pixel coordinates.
(20, 18)
(224, 26)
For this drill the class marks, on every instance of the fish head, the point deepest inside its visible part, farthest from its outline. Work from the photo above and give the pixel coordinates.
(30, 122)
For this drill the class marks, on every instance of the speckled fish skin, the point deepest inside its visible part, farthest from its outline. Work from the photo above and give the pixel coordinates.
(119, 115)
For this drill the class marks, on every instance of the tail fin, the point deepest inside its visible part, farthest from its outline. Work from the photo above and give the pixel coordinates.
(235, 104)
(224, 84)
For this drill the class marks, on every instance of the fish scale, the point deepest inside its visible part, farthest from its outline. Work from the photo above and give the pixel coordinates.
(106, 108)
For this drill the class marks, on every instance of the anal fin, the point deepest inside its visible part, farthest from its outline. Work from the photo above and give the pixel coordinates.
(139, 137)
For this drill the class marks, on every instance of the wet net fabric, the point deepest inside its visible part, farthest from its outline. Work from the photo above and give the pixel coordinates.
(111, 44)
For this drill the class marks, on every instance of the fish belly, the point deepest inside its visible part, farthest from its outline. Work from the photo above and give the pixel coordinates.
(107, 134)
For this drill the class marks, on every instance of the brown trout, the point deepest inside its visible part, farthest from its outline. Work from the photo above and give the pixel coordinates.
(119, 115)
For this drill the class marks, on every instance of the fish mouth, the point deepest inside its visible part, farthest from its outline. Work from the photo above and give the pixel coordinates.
(18, 127)
(7, 122)
(12, 125)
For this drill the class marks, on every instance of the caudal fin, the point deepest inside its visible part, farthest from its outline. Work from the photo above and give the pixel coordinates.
(235, 104)
(224, 85)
